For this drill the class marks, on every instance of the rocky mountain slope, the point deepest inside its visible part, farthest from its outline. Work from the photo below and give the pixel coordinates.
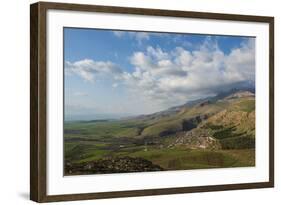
(221, 123)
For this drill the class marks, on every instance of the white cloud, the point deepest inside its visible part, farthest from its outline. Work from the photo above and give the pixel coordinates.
(140, 36)
(166, 78)
(181, 75)
(89, 69)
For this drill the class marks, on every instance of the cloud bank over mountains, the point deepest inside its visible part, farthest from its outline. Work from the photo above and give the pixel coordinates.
(175, 76)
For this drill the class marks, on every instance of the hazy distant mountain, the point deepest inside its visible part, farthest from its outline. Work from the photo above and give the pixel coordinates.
(245, 88)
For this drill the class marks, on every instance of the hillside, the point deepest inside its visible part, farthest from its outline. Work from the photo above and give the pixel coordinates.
(238, 111)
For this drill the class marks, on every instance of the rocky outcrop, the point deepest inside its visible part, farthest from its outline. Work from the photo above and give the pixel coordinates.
(112, 165)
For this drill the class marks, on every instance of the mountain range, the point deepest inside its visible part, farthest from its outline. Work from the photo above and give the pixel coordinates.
(222, 121)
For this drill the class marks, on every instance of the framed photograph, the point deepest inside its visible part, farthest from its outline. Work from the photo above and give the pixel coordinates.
(135, 102)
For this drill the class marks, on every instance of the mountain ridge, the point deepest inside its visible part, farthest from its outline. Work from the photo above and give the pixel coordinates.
(189, 104)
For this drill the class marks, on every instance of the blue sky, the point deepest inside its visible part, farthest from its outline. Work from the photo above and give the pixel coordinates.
(112, 74)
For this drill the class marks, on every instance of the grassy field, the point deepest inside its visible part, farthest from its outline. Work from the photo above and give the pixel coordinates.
(170, 159)
(94, 142)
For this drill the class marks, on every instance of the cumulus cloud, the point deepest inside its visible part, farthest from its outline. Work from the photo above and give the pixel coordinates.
(180, 75)
(89, 69)
(175, 76)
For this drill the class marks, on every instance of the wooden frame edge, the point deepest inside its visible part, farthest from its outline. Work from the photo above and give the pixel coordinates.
(155, 192)
(271, 100)
(37, 102)
(154, 12)
(38, 175)
(34, 191)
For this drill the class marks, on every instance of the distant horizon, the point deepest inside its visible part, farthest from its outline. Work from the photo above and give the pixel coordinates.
(105, 116)
(116, 74)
